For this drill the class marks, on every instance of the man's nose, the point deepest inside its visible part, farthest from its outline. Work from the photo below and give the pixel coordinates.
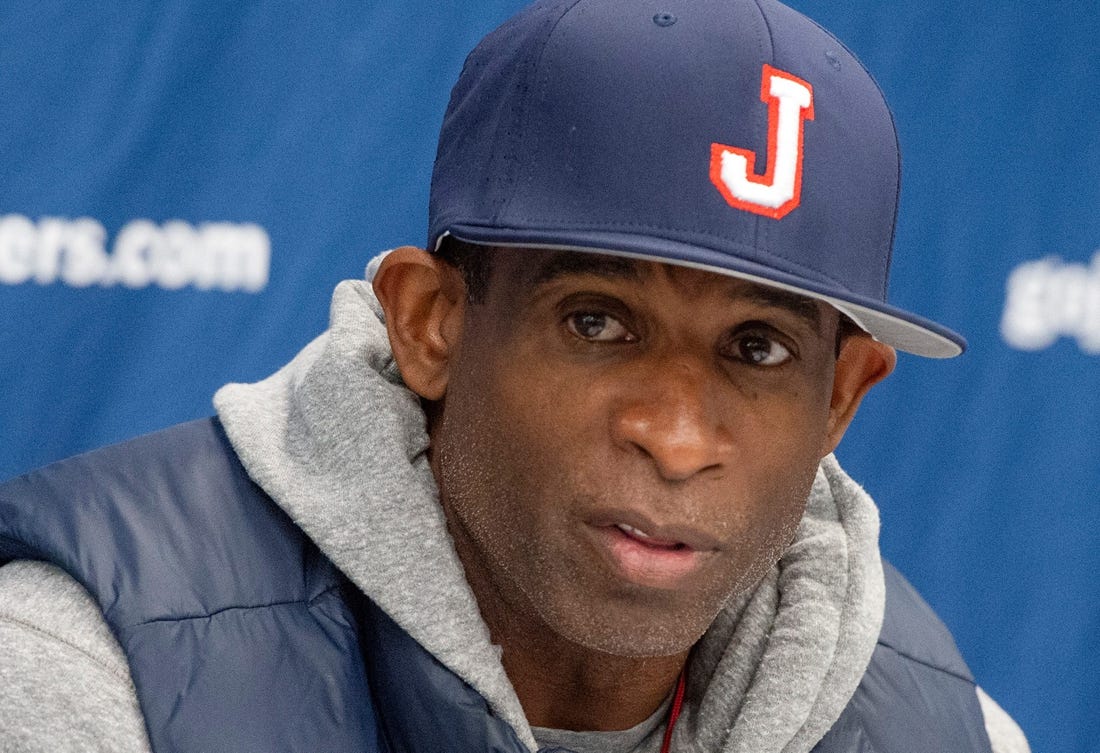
(672, 416)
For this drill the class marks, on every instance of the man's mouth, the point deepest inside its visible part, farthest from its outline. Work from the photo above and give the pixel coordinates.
(645, 538)
(650, 555)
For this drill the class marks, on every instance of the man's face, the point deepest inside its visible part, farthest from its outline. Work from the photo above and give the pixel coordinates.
(623, 445)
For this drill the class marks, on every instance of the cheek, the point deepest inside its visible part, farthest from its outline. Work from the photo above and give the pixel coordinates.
(471, 460)
(768, 501)
(787, 428)
(779, 510)
(491, 455)
(772, 467)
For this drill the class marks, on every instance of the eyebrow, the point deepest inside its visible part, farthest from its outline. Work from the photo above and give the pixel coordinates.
(567, 263)
(799, 305)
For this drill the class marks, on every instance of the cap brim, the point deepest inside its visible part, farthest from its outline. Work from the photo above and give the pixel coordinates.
(895, 327)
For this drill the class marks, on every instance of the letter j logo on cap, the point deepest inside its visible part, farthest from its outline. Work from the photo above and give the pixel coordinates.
(774, 194)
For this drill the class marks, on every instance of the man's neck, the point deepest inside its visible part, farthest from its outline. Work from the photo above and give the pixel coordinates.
(564, 685)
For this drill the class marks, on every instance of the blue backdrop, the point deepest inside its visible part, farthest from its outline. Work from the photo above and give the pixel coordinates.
(183, 183)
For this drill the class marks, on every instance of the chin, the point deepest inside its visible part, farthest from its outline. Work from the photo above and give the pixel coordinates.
(641, 628)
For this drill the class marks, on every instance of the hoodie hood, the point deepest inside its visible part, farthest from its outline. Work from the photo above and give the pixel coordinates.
(340, 444)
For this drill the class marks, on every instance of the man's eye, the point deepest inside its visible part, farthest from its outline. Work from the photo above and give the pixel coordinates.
(596, 327)
(762, 351)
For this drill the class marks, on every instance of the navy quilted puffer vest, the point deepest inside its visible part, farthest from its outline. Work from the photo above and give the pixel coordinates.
(243, 637)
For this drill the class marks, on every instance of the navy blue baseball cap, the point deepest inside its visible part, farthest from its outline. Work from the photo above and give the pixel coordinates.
(735, 136)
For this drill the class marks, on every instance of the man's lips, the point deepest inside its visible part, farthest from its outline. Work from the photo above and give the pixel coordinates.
(648, 540)
(649, 554)
(647, 530)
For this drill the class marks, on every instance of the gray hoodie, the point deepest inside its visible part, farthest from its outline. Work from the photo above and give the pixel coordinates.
(338, 442)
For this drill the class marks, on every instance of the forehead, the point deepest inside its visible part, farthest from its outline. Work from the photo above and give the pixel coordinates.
(529, 268)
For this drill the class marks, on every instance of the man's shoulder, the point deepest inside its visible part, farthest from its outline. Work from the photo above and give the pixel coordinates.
(193, 459)
(917, 694)
(165, 518)
(64, 681)
(109, 498)
(175, 446)
(913, 630)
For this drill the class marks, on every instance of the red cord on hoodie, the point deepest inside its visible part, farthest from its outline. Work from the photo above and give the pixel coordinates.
(674, 713)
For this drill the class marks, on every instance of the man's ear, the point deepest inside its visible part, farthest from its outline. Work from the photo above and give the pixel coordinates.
(862, 363)
(424, 299)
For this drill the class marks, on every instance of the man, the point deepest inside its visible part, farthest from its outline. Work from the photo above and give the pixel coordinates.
(564, 483)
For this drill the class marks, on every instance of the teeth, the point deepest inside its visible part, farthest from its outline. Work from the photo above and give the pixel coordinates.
(632, 531)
